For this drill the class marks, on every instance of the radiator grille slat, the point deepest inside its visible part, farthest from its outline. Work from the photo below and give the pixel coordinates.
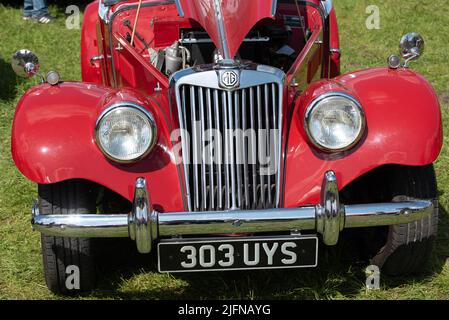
(211, 159)
(260, 144)
(238, 148)
(195, 150)
(219, 151)
(268, 146)
(245, 155)
(254, 149)
(203, 123)
(233, 134)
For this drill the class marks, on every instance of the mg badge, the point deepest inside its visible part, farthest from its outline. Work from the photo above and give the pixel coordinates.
(229, 79)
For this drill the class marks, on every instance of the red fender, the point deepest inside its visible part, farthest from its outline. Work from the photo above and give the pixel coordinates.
(53, 140)
(90, 45)
(403, 127)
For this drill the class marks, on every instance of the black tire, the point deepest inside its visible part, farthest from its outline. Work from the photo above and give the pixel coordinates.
(69, 197)
(408, 247)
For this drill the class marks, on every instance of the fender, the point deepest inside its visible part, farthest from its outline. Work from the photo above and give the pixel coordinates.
(403, 127)
(89, 45)
(53, 139)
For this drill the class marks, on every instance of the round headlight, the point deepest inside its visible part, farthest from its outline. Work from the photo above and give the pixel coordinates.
(126, 132)
(335, 122)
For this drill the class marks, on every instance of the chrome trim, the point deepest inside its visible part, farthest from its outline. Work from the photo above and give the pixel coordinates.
(93, 59)
(327, 6)
(330, 214)
(394, 61)
(211, 164)
(335, 50)
(103, 12)
(130, 105)
(80, 226)
(320, 98)
(412, 46)
(146, 226)
(219, 150)
(274, 7)
(221, 30)
(252, 77)
(142, 221)
(259, 125)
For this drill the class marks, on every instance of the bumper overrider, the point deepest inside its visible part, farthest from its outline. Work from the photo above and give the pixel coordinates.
(146, 226)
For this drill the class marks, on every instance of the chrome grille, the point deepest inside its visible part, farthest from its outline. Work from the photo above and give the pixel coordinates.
(222, 159)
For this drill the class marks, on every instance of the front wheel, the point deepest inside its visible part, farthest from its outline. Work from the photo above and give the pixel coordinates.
(409, 247)
(69, 265)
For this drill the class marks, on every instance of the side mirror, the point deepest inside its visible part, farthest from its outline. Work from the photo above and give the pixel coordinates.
(25, 63)
(412, 47)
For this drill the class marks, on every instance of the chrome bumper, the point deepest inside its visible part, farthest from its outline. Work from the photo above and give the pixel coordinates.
(146, 226)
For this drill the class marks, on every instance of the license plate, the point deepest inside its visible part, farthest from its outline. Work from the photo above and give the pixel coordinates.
(238, 254)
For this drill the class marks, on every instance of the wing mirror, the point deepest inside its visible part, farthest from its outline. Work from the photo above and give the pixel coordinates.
(26, 64)
(412, 47)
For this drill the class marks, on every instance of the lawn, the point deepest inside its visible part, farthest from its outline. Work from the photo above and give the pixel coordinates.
(341, 274)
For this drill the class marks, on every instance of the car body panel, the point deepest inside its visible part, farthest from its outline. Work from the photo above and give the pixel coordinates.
(91, 45)
(53, 141)
(403, 127)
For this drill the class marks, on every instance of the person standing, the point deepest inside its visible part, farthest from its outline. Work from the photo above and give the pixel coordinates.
(37, 10)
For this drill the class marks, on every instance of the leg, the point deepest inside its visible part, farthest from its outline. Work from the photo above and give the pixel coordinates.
(27, 8)
(40, 8)
(40, 12)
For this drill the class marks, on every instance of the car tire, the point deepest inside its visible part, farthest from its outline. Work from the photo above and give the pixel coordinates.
(61, 255)
(408, 247)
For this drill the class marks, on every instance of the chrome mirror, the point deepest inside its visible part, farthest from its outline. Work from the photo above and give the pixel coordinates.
(412, 47)
(25, 63)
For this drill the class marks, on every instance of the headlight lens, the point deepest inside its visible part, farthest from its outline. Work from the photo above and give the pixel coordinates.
(126, 133)
(335, 122)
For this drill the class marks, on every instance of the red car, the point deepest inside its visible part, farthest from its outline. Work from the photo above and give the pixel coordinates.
(221, 134)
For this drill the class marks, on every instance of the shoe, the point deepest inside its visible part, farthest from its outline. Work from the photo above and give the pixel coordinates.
(44, 19)
(26, 18)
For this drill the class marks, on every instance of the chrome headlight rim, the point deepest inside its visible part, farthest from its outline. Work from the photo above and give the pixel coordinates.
(126, 105)
(316, 102)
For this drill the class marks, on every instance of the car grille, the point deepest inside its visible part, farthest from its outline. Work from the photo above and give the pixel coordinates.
(231, 171)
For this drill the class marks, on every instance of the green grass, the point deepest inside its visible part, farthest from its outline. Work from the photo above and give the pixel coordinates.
(339, 276)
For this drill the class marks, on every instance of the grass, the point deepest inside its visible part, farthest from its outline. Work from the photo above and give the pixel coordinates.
(339, 276)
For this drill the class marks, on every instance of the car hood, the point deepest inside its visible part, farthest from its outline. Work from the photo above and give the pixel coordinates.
(227, 21)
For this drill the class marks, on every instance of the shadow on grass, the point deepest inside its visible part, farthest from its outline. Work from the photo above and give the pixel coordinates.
(340, 274)
(8, 81)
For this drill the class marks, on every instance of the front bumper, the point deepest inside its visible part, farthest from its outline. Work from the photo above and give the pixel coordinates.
(146, 226)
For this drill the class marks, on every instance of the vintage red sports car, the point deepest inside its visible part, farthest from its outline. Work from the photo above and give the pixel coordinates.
(221, 134)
